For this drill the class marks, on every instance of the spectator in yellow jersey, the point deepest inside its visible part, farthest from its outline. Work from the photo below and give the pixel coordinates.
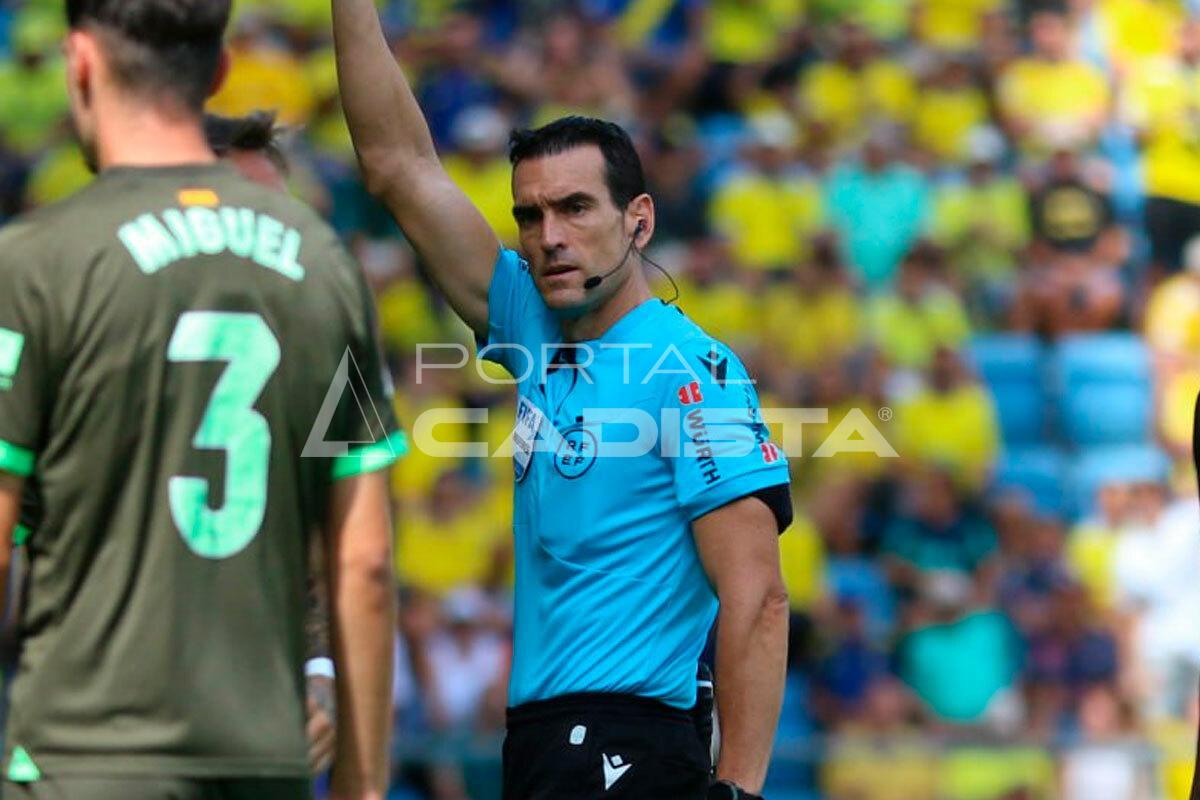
(951, 423)
(950, 107)
(33, 100)
(860, 88)
(815, 317)
(1172, 329)
(923, 314)
(480, 167)
(1162, 102)
(263, 73)
(983, 224)
(768, 209)
(1051, 97)
(954, 25)
(454, 543)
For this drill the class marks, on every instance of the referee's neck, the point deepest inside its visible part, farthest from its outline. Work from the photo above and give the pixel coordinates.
(596, 322)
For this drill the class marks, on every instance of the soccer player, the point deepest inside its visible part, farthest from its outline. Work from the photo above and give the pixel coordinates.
(620, 562)
(170, 342)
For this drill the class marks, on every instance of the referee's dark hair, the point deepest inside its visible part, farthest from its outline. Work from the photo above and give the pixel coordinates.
(255, 132)
(623, 167)
(162, 49)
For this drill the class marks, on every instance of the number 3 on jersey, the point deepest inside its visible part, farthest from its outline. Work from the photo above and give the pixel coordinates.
(230, 423)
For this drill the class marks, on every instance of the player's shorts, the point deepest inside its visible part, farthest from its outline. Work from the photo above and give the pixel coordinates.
(102, 788)
(603, 746)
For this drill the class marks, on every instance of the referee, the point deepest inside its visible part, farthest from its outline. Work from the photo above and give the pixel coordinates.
(621, 563)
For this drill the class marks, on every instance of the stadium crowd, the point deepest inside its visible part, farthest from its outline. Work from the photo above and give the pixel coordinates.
(971, 227)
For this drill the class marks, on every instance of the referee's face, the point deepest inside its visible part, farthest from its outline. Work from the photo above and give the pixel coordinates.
(570, 228)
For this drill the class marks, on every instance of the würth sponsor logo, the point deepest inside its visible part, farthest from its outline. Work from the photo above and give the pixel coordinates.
(770, 453)
(690, 394)
(698, 431)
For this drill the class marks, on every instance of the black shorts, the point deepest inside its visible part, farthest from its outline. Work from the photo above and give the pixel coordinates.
(603, 746)
(98, 788)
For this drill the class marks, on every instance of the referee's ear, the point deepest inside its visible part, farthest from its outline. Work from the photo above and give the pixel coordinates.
(221, 74)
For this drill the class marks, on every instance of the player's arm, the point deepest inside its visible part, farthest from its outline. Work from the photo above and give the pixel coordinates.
(10, 512)
(401, 166)
(363, 616)
(739, 547)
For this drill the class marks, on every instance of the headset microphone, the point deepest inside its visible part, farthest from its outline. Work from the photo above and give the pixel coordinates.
(596, 280)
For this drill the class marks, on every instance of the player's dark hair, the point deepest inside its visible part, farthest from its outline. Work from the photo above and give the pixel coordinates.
(164, 49)
(622, 166)
(255, 132)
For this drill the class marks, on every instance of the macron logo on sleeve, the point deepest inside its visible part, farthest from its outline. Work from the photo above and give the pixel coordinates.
(12, 344)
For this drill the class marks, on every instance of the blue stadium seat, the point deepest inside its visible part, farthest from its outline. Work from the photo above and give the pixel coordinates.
(1105, 395)
(1040, 471)
(1096, 466)
(1012, 368)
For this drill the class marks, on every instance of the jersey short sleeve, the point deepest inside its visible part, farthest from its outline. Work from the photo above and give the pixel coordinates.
(379, 441)
(26, 366)
(515, 314)
(722, 450)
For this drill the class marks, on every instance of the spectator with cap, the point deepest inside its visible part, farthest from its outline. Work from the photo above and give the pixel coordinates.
(878, 206)
(479, 165)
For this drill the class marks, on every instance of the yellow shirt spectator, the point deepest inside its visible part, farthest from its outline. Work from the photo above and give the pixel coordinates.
(489, 187)
(1053, 103)
(767, 221)
(896, 768)
(1136, 30)
(953, 24)
(847, 101)
(908, 333)
(812, 327)
(738, 32)
(57, 175)
(1090, 552)
(440, 555)
(944, 118)
(722, 308)
(802, 560)
(982, 225)
(32, 104)
(265, 77)
(955, 429)
(1162, 99)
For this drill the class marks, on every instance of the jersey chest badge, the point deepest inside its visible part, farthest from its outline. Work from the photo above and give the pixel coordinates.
(524, 435)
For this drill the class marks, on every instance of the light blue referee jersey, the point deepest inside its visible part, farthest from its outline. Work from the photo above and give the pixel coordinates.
(654, 425)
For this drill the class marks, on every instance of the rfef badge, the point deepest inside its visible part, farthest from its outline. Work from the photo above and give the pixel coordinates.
(529, 422)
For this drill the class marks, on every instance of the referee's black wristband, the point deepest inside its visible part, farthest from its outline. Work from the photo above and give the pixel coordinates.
(728, 790)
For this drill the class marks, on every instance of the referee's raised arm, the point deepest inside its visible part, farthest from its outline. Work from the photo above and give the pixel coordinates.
(401, 166)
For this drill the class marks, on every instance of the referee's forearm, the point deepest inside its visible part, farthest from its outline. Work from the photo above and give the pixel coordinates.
(751, 668)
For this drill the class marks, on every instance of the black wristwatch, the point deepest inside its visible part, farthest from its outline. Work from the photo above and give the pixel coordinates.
(728, 790)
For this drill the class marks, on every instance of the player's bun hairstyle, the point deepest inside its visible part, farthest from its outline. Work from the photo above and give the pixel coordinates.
(163, 49)
(256, 132)
(623, 167)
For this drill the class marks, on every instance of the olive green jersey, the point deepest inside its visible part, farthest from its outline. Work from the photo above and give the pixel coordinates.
(188, 361)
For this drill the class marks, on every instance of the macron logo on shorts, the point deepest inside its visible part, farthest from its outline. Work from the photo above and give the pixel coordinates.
(614, 768)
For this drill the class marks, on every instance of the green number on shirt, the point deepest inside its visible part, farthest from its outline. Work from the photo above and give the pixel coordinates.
(231, 424)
